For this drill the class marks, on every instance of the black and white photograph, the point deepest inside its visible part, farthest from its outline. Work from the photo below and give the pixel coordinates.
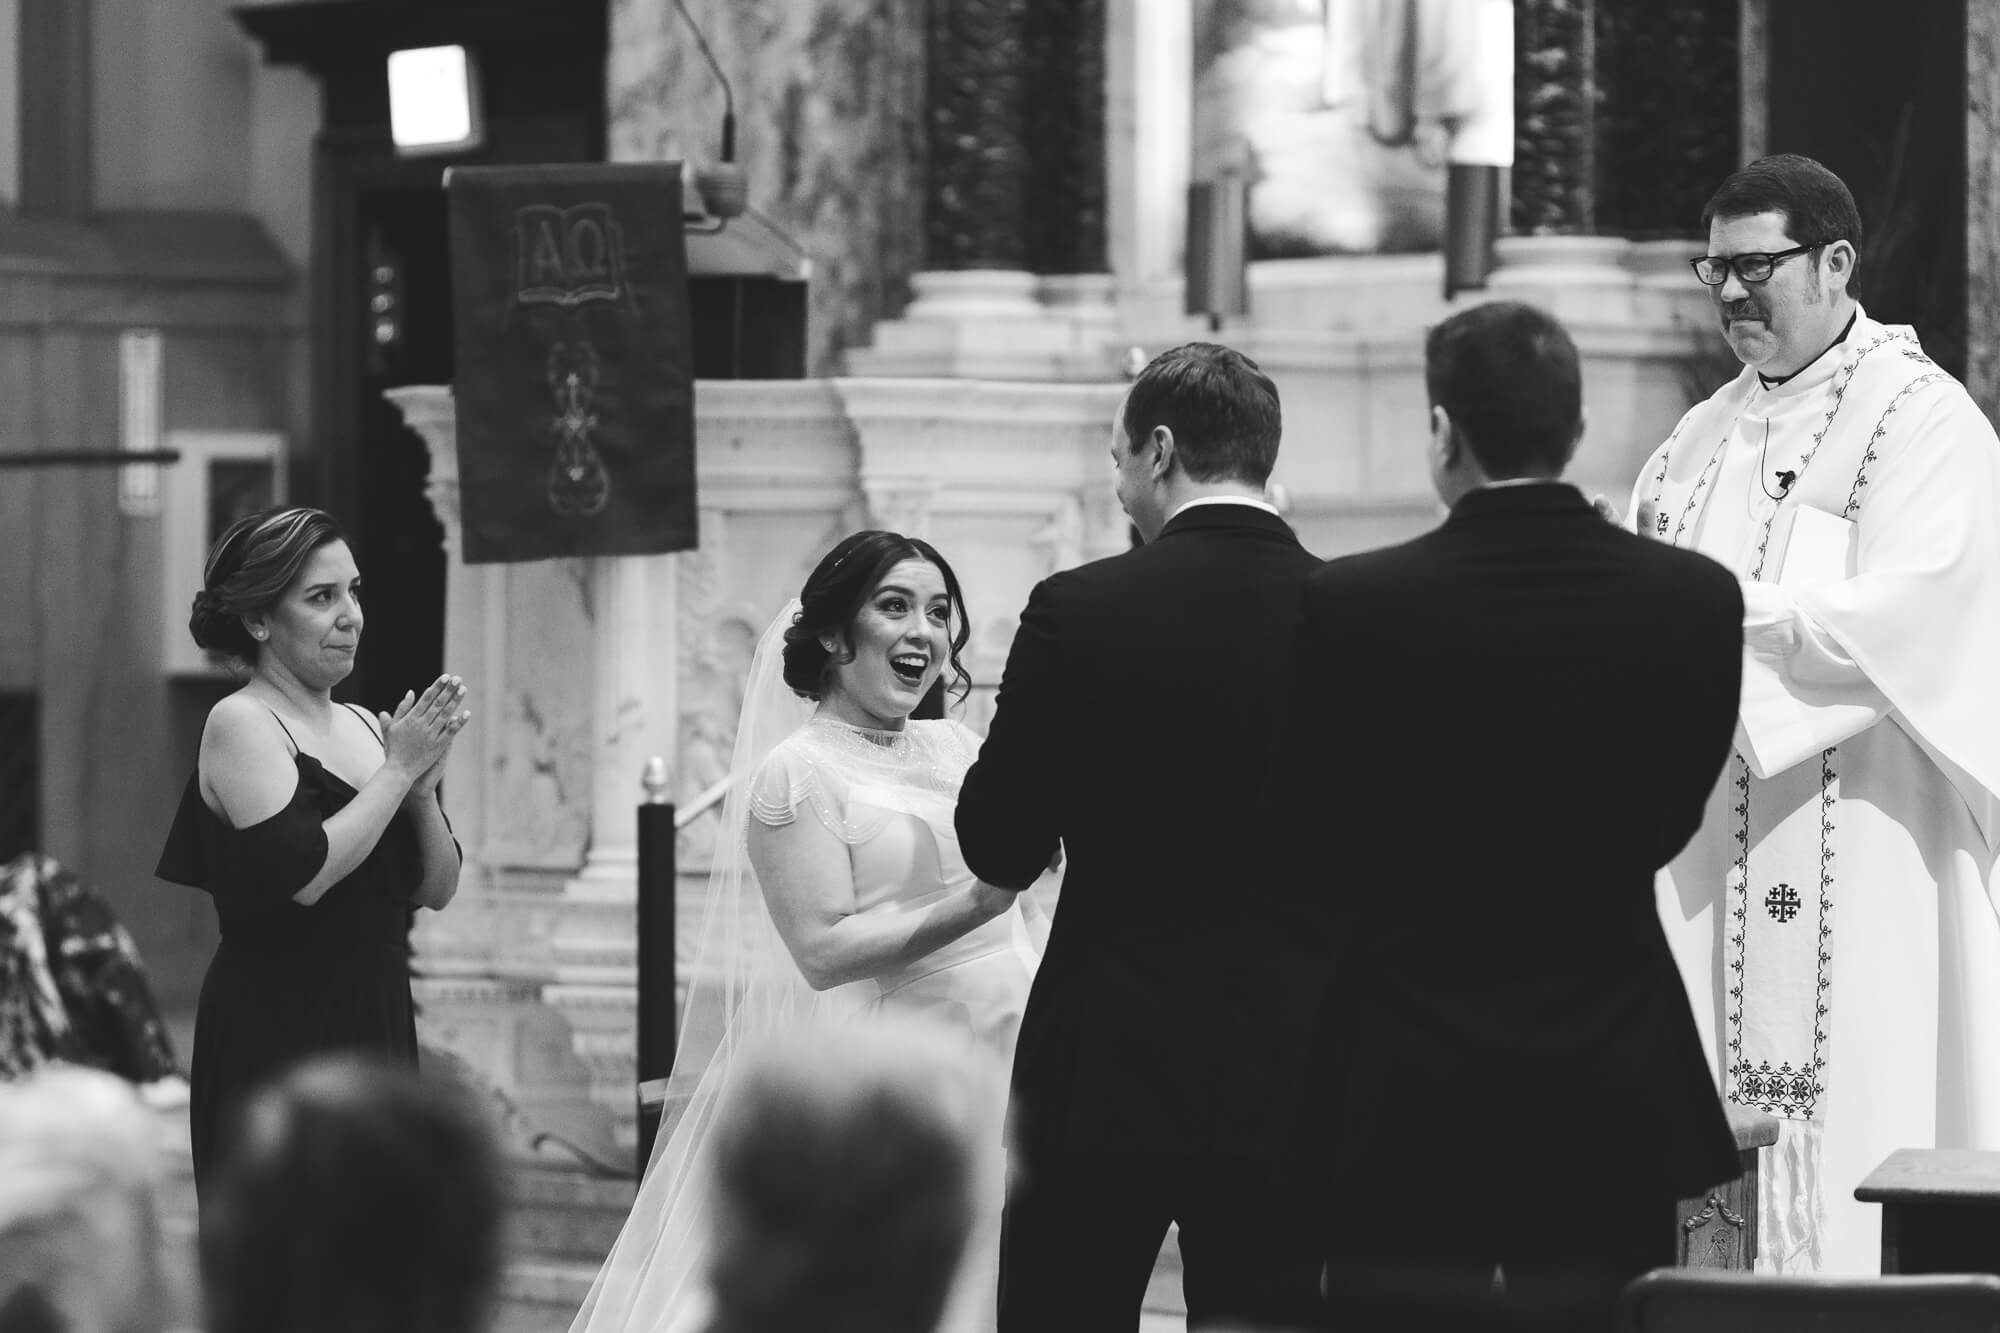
(999, 666)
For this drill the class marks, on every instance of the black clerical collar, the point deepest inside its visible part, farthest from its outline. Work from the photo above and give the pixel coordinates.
(1772, 382)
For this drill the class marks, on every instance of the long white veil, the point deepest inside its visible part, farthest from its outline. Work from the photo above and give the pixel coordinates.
(742, 987)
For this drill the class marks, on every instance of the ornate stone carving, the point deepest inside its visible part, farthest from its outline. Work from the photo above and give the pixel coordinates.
(1061, 539)
(602, 1022)
(713, 688)
(541, 788)
(901, 506)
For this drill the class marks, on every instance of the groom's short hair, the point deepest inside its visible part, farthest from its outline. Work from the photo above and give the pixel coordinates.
(1507, 374)
(1221, 407)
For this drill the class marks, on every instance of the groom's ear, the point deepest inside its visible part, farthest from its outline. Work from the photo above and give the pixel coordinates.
(1445, 441)
(1162, 440)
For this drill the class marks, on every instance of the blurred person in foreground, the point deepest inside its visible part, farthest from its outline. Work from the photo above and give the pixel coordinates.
(1835, 917)
(314, 826)
(850, 1165)
(358, 1196)
(80, 1245)
(73, 988)
(1503, 1000)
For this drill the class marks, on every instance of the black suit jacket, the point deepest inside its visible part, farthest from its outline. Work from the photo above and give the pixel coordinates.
(1516, 719)
(1143, 721)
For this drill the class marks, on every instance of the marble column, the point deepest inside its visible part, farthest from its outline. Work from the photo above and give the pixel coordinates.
(634, 691)
(459, 940)
(1149, 95)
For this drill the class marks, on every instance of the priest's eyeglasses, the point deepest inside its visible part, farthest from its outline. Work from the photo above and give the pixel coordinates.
(1751, 268)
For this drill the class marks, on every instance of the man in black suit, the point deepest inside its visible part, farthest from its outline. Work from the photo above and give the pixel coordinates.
(1512, 1075)
(1143, 724)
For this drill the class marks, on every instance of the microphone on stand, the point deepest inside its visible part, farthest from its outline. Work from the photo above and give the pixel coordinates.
(724, 187)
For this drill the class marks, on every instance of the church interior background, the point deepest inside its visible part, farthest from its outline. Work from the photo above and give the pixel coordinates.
(966, 218)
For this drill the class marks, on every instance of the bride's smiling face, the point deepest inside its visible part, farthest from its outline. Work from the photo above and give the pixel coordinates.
(896, 648)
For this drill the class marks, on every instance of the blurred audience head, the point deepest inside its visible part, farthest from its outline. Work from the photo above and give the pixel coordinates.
(1199, 414)
(1506, 395)
(849, 1164)
(360, 1197)
(80, 1163)
(247, 572)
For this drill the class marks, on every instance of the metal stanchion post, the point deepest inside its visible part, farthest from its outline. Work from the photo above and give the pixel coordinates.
(657, 999)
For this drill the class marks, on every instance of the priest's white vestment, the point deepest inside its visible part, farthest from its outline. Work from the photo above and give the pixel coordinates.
(1834, 919)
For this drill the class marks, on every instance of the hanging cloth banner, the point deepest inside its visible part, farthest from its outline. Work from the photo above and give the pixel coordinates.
(574, 377)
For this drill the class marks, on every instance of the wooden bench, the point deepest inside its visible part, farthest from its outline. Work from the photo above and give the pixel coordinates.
(1718, 1229)
(1940, 1210)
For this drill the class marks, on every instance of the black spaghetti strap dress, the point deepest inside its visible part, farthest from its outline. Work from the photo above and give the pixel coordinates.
(289, 981)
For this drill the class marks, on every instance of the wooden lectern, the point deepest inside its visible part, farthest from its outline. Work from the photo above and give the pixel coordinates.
(1940, 1210)
(1718, 1229)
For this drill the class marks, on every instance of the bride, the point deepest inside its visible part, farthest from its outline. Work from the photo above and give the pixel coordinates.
(841, 814)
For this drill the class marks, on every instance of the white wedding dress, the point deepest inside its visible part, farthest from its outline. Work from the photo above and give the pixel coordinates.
(889, 797)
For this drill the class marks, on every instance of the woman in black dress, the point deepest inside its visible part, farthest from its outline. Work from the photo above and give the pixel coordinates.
(314, 827)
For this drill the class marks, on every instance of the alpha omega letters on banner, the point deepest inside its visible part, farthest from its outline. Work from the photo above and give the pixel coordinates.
(574, 376)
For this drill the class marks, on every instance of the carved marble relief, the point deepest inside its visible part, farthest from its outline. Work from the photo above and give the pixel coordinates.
(538, 813)
(541, 780)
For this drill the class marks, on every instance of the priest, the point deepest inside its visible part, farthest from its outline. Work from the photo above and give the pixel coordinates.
(1835, 917)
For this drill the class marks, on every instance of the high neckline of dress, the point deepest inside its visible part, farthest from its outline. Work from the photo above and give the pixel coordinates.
(878, 736)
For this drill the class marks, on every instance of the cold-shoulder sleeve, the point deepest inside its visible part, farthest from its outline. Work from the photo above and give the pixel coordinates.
(273, 858)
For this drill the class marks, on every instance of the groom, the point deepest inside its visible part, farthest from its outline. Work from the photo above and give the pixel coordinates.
(1144, 725)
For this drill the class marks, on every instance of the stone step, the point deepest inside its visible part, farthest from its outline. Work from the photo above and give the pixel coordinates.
(558, 1214)
(542, 1295)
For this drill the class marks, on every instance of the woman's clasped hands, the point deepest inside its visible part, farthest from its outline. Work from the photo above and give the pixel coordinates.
(418, 735)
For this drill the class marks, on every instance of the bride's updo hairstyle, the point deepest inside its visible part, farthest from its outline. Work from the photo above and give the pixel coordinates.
(836, 591)
(248, 570)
